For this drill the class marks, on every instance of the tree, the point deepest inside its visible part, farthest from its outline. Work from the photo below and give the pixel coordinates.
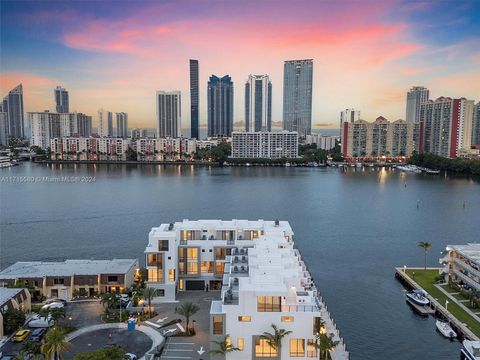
(56, 314)
(130, 154)
(425, 246)
(188, 309)
(111, 353)
(110, 301)
(224, 346)
(325, 344)
(221, 152)
(275, 339)
(12, 320)
(55, 344)
(148, 294)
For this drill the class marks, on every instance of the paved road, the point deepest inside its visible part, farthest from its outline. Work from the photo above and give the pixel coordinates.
(84, 313)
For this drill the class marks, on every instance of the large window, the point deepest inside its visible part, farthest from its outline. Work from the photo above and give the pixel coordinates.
(155, 260)
(60, 281)
(221, 253)
(162, 245)
(219, 268)
(112, 278)
(155, 275)
(192, 253)
(171, 275)
(263, 349)
(311, 348)
(192, 268)
(297, 347)
(268, 303)
(217, 324)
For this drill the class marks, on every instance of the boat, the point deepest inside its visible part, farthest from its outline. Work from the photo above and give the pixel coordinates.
(432, 172)
(470, 351)
(287, 164)
(418, 297)
(445, 329)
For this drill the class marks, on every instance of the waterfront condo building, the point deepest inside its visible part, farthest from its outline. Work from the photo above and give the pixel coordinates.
(61, 279)
(43, 126)
(258, 103)
(194, 100)
(269, 145)
(446, 127)
(61, 100)
(220, 106)
(322, 142)
(378, 138)
(349, 115)
(476, 126)
(462, 265)
(13, 299)
(417, 96)
(169, 120)
(297, 96)
(91, 148)
(105, 123)
(261, 278)
(122, 125)
(13, 105)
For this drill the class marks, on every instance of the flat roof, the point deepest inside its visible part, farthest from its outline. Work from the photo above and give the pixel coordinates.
(8, 293)
(470, 251)
(67, 268)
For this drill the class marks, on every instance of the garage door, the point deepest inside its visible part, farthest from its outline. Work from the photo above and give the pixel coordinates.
(195, 285)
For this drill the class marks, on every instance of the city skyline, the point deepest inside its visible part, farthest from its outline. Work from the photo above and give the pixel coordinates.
(366, 57)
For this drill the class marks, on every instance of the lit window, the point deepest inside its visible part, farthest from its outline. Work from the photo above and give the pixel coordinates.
(240, 344)
(287, 318)
(192, 268)
(204, 266)
(217, 324)
(171, 275)
(245, 318)
(311, 348)
(297, 347)
(263, 349)
(268, 303)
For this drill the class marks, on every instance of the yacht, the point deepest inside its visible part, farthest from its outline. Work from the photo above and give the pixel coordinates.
(418, 297)
(470, 351)
(445, 329)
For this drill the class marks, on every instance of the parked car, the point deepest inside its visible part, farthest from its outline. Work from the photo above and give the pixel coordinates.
(37, 334)
(21, 335)
(130, 356)
(38, 321)
(56, 300)
(53, 305)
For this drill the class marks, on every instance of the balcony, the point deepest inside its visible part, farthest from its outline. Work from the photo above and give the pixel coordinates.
(300, 308)
(466, 279)
(467, 267)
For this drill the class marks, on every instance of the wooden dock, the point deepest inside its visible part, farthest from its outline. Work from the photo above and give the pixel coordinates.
(436, 308)
(422, 310)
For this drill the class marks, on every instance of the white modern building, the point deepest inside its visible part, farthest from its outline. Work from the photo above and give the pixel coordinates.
(258, 103)
(43, 127)
(417, 96)
(462, 264)
(322, 142)
(105, 123)
(261, 278)
(169, 119)
(271, 145)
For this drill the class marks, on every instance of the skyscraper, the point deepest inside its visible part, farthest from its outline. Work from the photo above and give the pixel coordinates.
(122, 125)
(446, 126)
(43, 126)
(105, 123)
(13, 106)
(169, 119)
(194, 99)
(476, 125)
(3, 129)
(417, 96)
(220, 106)
(61, 100)
(297, 96)
(84, 125)
(258, 103)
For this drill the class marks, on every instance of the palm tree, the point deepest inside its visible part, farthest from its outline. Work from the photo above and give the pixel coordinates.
(325, 345)
(425, 246)
(148, 294)
(275, 339)
(188, 309)
(55, 344)
(224, 346)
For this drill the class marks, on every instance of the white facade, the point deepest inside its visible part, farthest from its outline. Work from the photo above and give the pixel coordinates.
(91, 148)
(261, 277)
(417, 96)
(43, 127)
(462, 264)
(105, 123)
(258, 103)
(322, 142)
(271, 145)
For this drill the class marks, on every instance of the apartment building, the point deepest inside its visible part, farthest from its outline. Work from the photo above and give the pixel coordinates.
(61, 279)
(13, 298)
(91, 148)
(379, 138)
(261, 278)
(271, 145)
(462, 264)
(322, 142)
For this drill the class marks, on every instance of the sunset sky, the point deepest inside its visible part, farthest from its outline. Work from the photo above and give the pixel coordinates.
(116, 54)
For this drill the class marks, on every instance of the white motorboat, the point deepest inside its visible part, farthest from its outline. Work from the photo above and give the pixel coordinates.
(470, 351)
(418, 297)
(445, 329)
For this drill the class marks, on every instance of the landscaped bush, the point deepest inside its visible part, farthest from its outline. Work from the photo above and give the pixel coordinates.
(111, 353)
(12, 320)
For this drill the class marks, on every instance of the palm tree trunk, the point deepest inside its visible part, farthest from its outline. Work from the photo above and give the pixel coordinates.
(425, 259)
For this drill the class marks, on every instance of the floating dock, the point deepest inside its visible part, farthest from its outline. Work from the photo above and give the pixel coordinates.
(437, 309)
(422, 310)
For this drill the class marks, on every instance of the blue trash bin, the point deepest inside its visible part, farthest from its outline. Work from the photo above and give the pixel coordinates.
(131, 324)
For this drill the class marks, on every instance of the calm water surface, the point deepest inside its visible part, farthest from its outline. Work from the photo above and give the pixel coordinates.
(352, 229)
